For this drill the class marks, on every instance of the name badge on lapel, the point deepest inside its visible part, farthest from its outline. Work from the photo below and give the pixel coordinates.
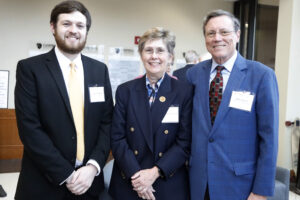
(172, 115)
(96, 94)
(242, 100)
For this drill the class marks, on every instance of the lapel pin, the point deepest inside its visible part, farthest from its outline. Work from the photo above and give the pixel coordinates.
(162, 99)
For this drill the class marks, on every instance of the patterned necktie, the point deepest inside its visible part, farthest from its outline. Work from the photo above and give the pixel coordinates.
(215, 94)
(77, 106)
(152, 94)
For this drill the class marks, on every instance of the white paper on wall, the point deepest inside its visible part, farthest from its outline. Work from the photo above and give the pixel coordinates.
(4, 78)
(122, 69)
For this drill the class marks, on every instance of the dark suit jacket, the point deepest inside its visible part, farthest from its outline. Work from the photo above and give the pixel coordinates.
(47, 130)
(237, 155)
(140, 140)
(181, 73)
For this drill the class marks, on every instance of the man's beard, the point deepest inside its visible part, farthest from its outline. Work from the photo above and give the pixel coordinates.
(61, 44)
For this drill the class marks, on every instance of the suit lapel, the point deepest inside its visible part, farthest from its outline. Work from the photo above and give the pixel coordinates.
(204, 76)
(236, 77)
(142, 111)
(53, 66)
(163, 101)
(85, 63)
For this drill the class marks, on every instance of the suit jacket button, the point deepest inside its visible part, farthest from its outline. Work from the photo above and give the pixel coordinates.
(136, 152)
(160, 154)
(187, 163)
(131, 129)
(166, 132)
(73, 137)
(211, 140)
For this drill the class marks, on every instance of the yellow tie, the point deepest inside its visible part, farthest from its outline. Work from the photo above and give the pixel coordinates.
(77, 106)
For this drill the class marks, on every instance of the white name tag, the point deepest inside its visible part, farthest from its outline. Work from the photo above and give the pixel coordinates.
(172, 115)
(242, 100)
(97, 94)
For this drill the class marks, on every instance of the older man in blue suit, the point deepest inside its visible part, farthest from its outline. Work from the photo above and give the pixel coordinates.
(235, 119)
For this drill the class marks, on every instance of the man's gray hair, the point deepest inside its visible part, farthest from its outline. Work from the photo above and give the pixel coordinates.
(191, 56)
(218, 13)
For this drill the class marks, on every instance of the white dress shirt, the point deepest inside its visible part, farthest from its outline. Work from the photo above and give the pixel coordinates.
(65, 67)
(225, 72)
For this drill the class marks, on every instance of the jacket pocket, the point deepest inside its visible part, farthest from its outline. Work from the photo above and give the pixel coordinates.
(244, 168)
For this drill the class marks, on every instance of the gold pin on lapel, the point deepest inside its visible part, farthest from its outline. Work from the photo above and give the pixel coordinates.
(162, 99)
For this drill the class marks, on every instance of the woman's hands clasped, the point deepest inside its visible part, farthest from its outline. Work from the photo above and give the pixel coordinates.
(142, 182)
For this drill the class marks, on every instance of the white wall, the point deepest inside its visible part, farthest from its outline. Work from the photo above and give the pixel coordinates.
(114, 23)
(287, 70)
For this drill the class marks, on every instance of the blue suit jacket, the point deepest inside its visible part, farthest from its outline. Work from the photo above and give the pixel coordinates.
(140, 140)
(238, 154)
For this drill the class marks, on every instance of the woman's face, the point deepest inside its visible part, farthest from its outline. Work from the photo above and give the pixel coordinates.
(155, 57)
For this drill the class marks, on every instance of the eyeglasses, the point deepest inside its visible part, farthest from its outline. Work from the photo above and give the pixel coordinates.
(158, 51)
(223, 33)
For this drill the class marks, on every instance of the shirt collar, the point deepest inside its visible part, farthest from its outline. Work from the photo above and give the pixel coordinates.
(64, 61)
(158, 82)
(228, 64)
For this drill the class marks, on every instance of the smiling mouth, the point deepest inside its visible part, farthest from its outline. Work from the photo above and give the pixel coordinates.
(72, 37)
(218, 46)
(154, 63)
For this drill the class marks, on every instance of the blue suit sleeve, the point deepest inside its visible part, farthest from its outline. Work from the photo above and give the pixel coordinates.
(267, 106)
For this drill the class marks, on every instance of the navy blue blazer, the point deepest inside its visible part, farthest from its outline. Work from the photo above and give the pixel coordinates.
(46, 127)
(237, 155)
(181, 73)
(140, 140)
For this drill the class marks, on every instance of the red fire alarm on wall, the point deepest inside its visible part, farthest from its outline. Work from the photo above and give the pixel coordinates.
(136, 39)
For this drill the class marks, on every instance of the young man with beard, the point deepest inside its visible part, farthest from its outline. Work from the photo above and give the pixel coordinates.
(64, 108)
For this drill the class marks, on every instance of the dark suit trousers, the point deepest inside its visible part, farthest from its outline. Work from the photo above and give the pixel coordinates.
(103, 196)
(206, 196)
(70, 196)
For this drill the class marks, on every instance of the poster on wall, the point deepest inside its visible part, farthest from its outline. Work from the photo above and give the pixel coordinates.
(122, 69)
(4, 78)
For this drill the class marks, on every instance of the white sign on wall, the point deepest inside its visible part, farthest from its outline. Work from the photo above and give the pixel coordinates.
(4, 78)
